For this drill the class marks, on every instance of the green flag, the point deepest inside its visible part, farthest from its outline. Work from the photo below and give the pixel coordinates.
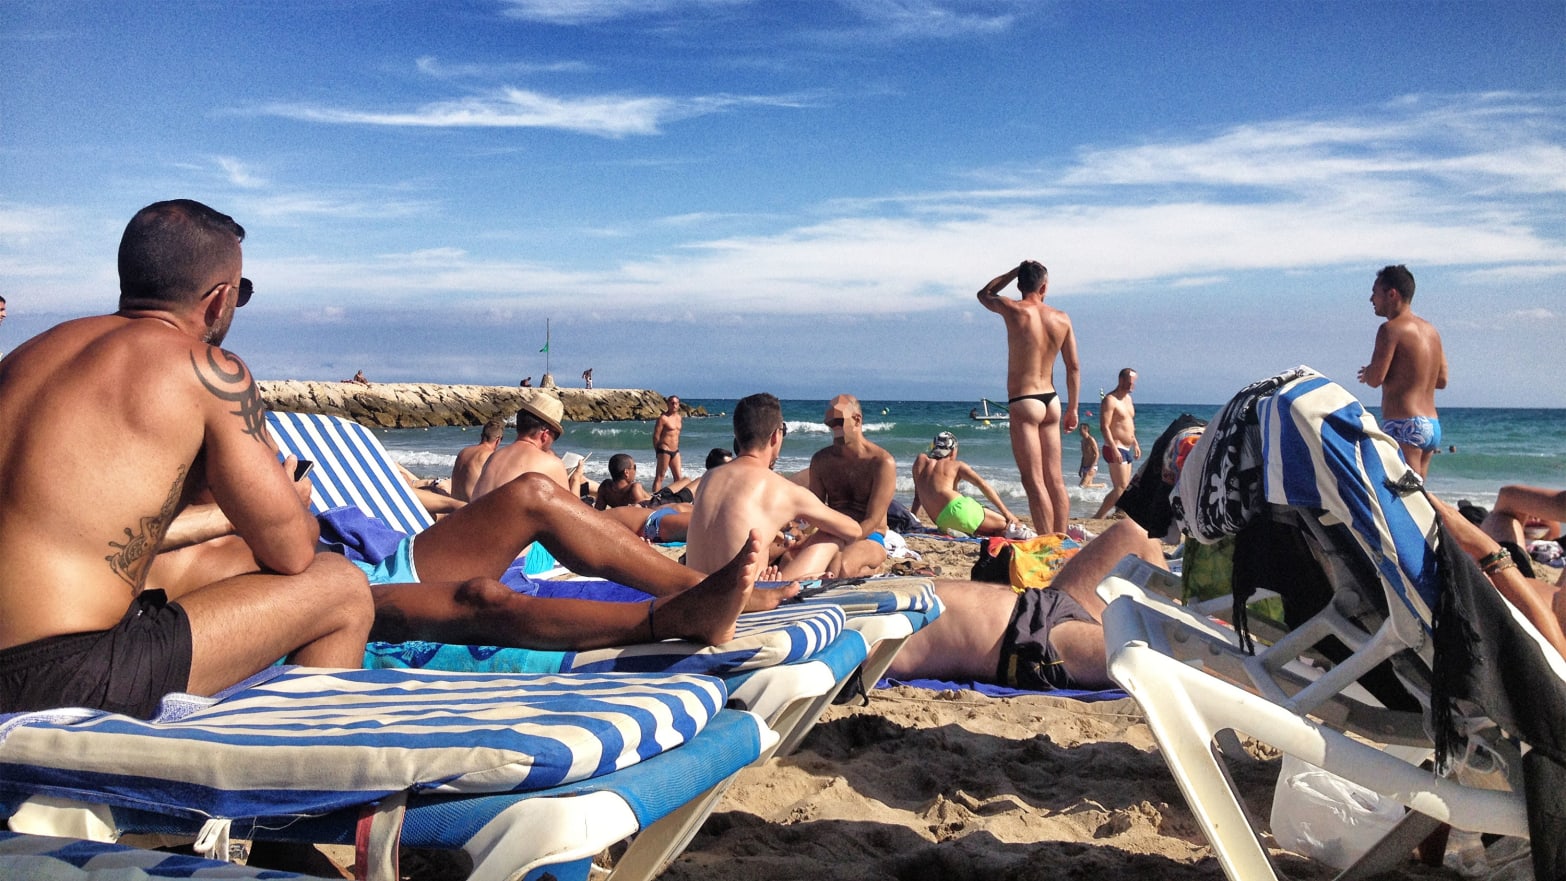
(545, 348)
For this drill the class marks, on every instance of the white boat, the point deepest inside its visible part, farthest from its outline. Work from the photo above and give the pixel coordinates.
(988, 411)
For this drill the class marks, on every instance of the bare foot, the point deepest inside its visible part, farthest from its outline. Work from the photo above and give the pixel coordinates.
(706, 612)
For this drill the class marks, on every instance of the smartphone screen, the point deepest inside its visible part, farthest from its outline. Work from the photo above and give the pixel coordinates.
(301, 468)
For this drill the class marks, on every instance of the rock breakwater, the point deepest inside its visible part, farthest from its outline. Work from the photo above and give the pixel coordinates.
(423, 405)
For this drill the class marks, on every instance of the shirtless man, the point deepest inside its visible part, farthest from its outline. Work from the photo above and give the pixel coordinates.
(1040, 639)
(80, 523)
(1035, 334)
(666, 443)
(746, 497)
(1408, 366)
(622, 487)
(936, 475)
(854, 477)
(1117, 422)
(538, 427)
(1088, 469)
(470, 460)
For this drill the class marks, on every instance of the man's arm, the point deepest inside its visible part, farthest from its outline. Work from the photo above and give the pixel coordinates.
(1107, 415)
(1441, 377)
(1068, 357)
(808, 506)
(990, 293)
(241, 465)
(966, 472)
(1375, 373)
(881, 493)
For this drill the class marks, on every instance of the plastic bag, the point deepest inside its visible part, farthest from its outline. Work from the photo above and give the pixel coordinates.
(1327, 818)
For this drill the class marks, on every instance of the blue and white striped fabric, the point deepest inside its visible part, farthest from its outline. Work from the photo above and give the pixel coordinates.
(351, 468)
(872, 596)
(1323, 450)
(297, 742)
(67, 859)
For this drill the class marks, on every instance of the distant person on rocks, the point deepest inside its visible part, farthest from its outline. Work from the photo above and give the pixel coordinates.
(538, 428)
(622, 487)
(1117, 422)
(1408, 365)
(471, 460)
(527, 382)
(666, 442)
(1035, 335)
(587, 377)
(936, 476)
(1088, 470)
(358, 378)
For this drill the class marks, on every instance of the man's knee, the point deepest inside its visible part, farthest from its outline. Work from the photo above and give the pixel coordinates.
(341, 587)
(531, 490)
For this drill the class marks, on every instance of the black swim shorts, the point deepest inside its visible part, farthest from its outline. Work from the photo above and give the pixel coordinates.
(1027, 660)
(127, 669)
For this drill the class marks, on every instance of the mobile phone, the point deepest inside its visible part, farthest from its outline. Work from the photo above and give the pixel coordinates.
(301, 468)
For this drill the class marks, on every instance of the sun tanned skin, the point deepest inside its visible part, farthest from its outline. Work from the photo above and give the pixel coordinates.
(1035, 335)
(666, 443)
(530, 453)
(1407, 364)
(471, 460)
(1542, 603)
(854, 477)
(80, 522)
(1117, 421)
(935, 485)
(746, 496)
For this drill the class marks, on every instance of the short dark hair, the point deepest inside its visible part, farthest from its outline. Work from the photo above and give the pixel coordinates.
(1031, 274)
(620, 464)
(528, 424)
(717, 456)
(171, 250)
(494, 429)
(1125, 372)
(755, 418)
(1397, 277)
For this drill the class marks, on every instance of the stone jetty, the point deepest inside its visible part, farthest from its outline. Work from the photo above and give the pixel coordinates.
(423, 405)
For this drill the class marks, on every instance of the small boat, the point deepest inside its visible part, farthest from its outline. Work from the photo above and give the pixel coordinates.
(988, 411)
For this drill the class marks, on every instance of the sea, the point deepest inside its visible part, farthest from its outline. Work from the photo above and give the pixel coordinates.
(1493, 446)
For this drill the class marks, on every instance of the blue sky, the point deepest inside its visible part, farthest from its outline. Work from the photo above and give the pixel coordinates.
(714, 197)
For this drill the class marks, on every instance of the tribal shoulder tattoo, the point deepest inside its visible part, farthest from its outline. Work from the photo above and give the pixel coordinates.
(230, 381)
(133, 557)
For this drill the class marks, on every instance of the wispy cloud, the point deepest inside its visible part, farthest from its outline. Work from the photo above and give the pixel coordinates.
(238, 173)
(930, 18)
(431, 66)
(610, 116)
(579, 12)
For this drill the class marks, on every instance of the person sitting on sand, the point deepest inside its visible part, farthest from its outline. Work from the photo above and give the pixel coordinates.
(443, 584)
(538, 428)
(746, 497)
(622, 487)
(1088, 470)
(84, 620)
(1038, 639)
(936, 475)
(858, 478)
(471, 460)
(358, 378)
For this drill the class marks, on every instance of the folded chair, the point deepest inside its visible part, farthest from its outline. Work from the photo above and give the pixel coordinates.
(531, 775)
(1321, 467)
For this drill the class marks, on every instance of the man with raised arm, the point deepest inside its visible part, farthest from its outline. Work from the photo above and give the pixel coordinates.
(113, 424)
(666, 443)
(746, 497)
(471, 460)
(1408, 365)
(1117, 420)
(1035, 335)
(854, 477)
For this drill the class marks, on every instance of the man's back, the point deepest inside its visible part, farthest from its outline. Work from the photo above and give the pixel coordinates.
(96, 461)
(935, 481)
(469, 466)
(1415, 371)
(1035, 333)
(516, 459)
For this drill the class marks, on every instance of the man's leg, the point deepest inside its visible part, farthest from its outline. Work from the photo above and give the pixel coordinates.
(318, 618)
(1417, 458)
(675, 474)
(860, 558)
(1054, 480)
(812, 557)
(482, 611)
(1026, 419)
(1120, 477)
(660, 464)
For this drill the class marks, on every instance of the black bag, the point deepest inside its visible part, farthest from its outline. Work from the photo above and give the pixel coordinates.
(994, 563)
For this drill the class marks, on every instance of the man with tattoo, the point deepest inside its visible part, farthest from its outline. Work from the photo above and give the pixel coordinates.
(174, 416)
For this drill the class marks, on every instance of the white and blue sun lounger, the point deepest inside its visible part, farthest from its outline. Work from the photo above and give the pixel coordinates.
(532, 775)
(49, 858)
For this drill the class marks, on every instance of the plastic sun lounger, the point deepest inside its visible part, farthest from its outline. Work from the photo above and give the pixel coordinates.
(1326, 460)
(71, 859)
(531, 775)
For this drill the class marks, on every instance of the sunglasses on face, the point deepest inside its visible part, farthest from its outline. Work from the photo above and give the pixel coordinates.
(835, 423)
(246, 289)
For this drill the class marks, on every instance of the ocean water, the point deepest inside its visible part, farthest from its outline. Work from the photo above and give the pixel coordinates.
(1494, 446)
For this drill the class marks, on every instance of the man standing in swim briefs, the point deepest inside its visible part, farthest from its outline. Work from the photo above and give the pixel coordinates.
(1035, 334)
(1408, 365)
(1117, 422)
(666, 443)
(936, 475)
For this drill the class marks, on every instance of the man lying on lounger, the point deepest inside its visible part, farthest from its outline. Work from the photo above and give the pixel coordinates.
(112, 423)
(442, 585)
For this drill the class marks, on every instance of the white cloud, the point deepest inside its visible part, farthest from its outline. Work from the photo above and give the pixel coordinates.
(238, 173)
(1540, 314)
(431, 66)
(577, 12)
(610, 116)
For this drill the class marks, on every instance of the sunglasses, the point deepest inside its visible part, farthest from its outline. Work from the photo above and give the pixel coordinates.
(835, 423)
(246, 288)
